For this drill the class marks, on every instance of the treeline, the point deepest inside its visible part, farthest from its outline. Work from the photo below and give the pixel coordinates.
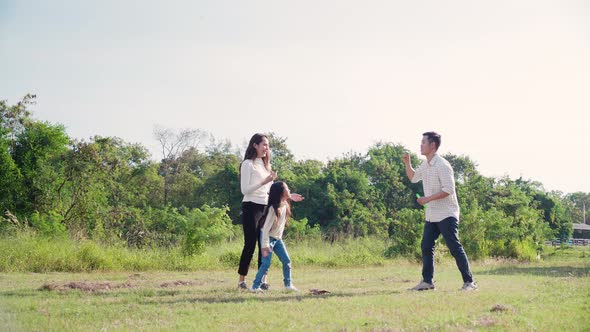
(109, 190)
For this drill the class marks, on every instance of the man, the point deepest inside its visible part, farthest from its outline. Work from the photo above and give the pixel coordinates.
(442, 211)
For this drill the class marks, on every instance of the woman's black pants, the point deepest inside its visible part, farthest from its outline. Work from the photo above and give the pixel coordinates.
(251, 215)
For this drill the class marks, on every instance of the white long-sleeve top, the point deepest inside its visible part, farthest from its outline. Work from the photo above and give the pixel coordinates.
(252, 176)
(273, 226)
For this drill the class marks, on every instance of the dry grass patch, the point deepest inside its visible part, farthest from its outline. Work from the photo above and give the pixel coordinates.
(179, 283)
(85, 286)
(486, 321)
(500, 308)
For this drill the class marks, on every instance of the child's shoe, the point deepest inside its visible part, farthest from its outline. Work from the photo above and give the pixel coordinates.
(291, 288)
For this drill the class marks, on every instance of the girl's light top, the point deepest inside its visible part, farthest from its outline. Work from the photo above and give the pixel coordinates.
(273, 226)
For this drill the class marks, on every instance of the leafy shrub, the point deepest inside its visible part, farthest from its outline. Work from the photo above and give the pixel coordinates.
(205, 226)
(230, 258)
(522, 250)
(300, 229)
(48, 224)
(485, 233)
(405, 234)
(92, 257)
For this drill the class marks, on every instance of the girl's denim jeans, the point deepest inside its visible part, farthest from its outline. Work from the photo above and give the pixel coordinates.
(277, 247)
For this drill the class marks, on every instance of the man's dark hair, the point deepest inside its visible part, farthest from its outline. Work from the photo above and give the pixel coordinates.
(433, 137)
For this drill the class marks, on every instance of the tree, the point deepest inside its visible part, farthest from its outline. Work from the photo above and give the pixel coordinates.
(281, 157)
(38, 153)
(10, 178)
(387, 176)
(14, 119)
(464, 168)
(174, 144)
(549, 204)
(578, 202)
(473, 189)
(105, 181)
(308, 179)
(221, 183)
(351, 205)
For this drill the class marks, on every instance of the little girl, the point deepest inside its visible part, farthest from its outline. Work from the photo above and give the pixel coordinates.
(271, 233)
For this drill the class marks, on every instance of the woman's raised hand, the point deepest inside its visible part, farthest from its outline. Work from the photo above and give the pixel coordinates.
(271, 177)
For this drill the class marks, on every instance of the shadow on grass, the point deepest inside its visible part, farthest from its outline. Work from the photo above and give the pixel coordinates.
(19, 293)
(152, 296)
(550, 271)
(46, 294)
(266, 298)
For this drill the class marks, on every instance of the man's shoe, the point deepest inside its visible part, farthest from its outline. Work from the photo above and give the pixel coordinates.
(256, 290)
(469, 286)
(291, 288)
(422, 286)
(264, 286)
(242, 285)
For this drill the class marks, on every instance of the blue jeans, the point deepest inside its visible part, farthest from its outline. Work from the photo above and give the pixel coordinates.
(278, 247)
(449, 228)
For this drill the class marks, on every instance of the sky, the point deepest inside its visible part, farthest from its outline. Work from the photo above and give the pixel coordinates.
(506, 83)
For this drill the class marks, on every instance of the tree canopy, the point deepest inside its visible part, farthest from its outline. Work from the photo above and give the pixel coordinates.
(111, 190)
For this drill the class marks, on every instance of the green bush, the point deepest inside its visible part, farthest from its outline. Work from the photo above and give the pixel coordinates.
(25, 250)
(300, 229)
(92, 257)
(166, 226)
(230, 258)
(485, 233)
(205, 226)
(405, 234)
(522, 250)
(48, 224)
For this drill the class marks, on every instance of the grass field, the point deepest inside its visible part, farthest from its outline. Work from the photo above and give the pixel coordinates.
(550, 295)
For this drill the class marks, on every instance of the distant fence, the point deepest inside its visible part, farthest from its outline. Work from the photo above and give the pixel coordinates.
(570, 242)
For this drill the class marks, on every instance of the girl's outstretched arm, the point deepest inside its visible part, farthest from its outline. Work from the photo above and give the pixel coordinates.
(296, 197)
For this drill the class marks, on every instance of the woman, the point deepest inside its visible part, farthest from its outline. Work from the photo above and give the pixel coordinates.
(256, 177)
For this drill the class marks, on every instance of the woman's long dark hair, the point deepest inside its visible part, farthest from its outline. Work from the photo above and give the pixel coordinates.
(251, 150)
(275, 200)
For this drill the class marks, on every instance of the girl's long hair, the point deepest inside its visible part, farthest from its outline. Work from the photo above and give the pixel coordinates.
(251, 151)
(275, 199)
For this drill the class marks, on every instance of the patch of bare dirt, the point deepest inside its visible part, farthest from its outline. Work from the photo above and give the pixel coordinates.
(486, 321)
(177, 283)
(315, 291)
(85, 286)
(501, 308)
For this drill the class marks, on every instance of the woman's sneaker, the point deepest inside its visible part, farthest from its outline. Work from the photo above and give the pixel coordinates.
(256, 290)
(291, 288)
(422, 286)
(242, 285)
